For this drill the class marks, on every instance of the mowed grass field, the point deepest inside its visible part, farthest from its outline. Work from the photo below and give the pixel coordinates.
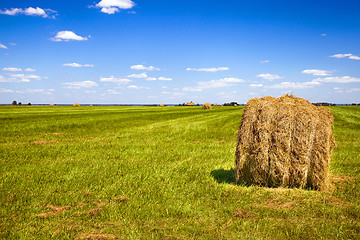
(158, 173)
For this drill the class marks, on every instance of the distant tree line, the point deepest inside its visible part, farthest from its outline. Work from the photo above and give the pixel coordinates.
(15, 103)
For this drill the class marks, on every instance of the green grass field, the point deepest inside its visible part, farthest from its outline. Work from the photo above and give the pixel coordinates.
(158, 173)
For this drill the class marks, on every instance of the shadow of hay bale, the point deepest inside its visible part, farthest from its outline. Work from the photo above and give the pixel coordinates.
(223, 176)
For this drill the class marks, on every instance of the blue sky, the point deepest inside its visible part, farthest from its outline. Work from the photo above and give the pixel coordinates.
(142, 51)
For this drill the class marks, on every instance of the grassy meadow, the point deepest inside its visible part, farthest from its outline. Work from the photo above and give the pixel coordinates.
(158, 173)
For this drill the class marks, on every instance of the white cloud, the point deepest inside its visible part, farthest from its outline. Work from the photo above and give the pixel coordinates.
(78, 85)
(67, 36)
(135, 87)
(344, 79)
(256, 85)
(269, 76)
(341, 90)
(90, 92)
(4, 90)
(29, 76)
(112, 91)
(151, 79)
(12, 69)
(295, 85)
(208, 69)
(17, 78)
(115, 80)
(176, 94)
(135, 75)
(12, 11)
(265, 61)
(224, 82)
(113, 6)
(344, 55)
(35, 11)
(142, 67)
(317, 72)
(30, 11)
(30, 70)
(3, 46)
(165, 79)
(77, 65)
(43, 91)
(12, 79)
(323, 34)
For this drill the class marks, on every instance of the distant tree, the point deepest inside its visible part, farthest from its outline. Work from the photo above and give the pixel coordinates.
(19, 103)
(14, 103)
(29, 104)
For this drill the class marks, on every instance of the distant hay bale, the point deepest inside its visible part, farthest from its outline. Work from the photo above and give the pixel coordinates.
(91, 105)
(206, 106)
(220, 105)
(76, 104)
(161, 105)
(235, 105)
(284, 141)
(51, 105)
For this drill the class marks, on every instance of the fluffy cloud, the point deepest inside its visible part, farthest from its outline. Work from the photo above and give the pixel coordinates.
(142, 67)
(295, 85)
(115, 80)
(151, 79)
(135, 87)
(256, 85)
(12, 69)
(112, 91)
(165, 79)
(78, 85)
(15, 78)
(346, 55)
(317, 72)
(30, 70)
(67, 36)
(344, 79)
(113, 6)
(341, 90)
(3, 46)
(269, 76)
(77, 65)
(208, 69)
(224, 82)
(43, 91)
(265, 61)
(4, 90)
(36, 91)
(140, 75)
(30, 11)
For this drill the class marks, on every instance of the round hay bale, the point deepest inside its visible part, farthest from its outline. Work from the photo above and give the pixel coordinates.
(51, 105)
(76, 104)
(206, 106)
(161, 105)
(284, 141)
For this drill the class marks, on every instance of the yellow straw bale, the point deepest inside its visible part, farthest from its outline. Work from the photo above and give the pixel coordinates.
(284, 141)
(206, 106)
